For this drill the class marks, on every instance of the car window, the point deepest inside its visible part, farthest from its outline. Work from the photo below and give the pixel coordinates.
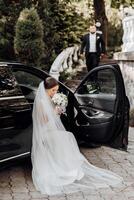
(102, 82)
(106, 81)
(27, 79)
(8, 83)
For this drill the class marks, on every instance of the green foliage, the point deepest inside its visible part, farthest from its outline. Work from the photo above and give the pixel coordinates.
(115, 34)
(131, 115)
(91, 9)
(5, 36)
(63, 27)
(4, 43)
(115, 31)
(116, 4)
(65, 76)
(9, 11)
(28, 42)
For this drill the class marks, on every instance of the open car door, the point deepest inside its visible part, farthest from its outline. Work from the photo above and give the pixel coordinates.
(101, 112)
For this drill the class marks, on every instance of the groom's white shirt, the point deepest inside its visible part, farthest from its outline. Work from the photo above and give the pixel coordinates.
(92, 42)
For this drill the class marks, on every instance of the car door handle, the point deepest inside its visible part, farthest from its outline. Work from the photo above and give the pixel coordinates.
(88, 111)
(90, 103)
(79, 124)
(86, 106)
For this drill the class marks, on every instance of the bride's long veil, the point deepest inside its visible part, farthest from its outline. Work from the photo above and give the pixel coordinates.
(58, 165)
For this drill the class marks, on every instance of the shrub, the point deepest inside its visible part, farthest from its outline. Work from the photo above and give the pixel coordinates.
(28, 42)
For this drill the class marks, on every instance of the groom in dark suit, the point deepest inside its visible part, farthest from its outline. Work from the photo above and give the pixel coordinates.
(94, 47)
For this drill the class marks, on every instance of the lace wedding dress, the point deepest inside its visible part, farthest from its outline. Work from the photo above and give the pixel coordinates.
(58, 165)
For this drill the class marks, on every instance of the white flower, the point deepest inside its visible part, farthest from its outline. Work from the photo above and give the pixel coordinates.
(61, 100)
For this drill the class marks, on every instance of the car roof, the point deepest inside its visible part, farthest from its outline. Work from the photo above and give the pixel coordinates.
(26, 67)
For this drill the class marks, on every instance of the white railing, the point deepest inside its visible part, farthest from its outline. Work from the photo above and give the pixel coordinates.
(128, 36)
(64, 61)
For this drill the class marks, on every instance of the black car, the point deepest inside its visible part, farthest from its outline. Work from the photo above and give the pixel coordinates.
(98, 111)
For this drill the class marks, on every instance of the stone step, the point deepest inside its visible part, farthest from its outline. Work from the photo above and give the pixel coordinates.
(73, 83)
(82, 71)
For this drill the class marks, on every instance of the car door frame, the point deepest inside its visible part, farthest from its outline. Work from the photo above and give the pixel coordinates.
(120, 136)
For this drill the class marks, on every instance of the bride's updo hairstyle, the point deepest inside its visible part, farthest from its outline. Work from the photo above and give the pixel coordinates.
(50, 82)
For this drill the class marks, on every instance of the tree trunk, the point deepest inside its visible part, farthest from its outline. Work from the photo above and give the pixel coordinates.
(100, 15)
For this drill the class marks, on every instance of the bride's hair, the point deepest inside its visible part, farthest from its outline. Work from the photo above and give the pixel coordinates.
(50, 82)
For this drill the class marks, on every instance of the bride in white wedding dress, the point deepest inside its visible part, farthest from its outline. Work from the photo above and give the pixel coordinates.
(58, 165)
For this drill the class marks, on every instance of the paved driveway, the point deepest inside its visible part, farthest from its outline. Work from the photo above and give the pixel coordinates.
(16, 183)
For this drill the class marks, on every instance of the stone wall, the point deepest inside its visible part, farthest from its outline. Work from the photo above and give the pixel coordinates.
(126, 63)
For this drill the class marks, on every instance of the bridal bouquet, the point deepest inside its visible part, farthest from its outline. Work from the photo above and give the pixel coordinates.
(60, 99)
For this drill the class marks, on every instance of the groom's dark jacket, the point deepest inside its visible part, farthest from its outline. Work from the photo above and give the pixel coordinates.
(100, 44)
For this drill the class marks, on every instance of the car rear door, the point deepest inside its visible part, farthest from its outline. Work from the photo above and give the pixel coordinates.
(15, 118)
(102, 108)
